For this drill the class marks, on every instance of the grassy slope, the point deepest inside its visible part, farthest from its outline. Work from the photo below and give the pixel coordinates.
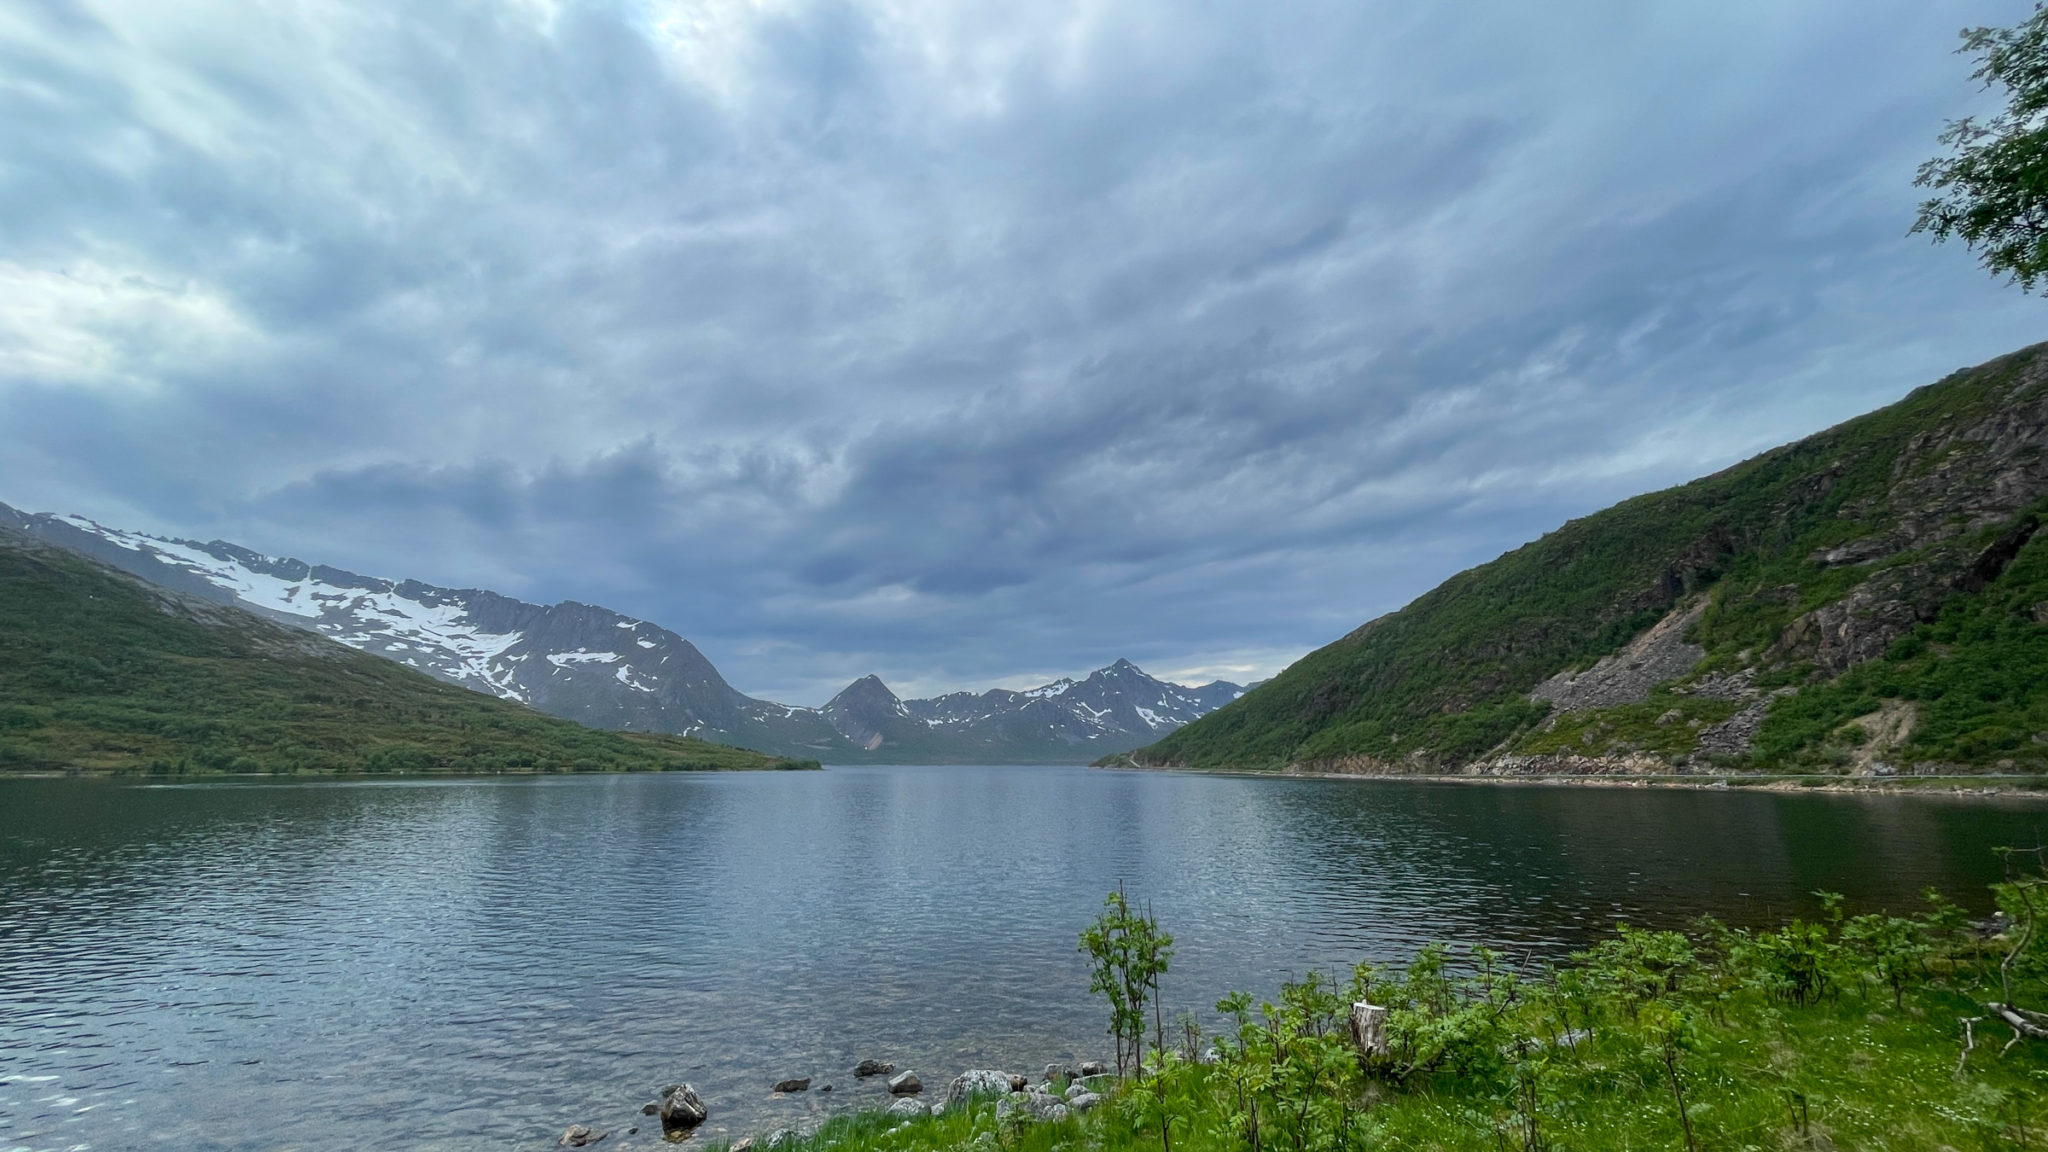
(98, 672)
(1445, 679)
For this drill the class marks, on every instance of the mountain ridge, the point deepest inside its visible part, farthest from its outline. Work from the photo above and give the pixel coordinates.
(602, 668)
(102, 671)
(1867, 600)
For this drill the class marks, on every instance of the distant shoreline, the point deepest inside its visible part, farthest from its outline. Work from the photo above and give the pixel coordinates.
(2027, 787)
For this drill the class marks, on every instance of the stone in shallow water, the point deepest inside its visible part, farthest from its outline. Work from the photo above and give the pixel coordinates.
(681, 1108)
(794, 1084)
(905, 1083)
(577, 1136)
(873, 1068)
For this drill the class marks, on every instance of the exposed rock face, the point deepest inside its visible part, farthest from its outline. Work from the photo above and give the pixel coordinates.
(1733, 736)
(1627, 676)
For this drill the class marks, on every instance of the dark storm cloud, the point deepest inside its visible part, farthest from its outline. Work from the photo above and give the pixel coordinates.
(961, 343)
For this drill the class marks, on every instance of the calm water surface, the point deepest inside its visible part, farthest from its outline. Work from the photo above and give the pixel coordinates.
(480, 963)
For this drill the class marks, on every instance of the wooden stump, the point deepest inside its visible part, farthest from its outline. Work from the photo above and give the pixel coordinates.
(1369, 1030)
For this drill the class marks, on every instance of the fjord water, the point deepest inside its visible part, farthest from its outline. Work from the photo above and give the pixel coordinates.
(479, 963)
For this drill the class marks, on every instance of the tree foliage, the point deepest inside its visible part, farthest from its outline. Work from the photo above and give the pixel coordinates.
(1992, 188)
(1130, 954)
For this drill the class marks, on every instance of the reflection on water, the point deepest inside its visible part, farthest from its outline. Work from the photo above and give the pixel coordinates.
(455, 964)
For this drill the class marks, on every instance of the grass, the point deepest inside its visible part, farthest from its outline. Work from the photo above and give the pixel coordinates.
(99, 673)
(1841, 1033)
(1446, 679)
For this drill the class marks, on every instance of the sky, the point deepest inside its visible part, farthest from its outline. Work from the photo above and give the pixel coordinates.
(966, 344)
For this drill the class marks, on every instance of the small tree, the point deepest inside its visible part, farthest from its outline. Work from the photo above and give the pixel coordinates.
(1993, 186)
(1130, 954)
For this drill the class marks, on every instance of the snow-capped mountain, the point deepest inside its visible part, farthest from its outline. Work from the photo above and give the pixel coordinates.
(1114, 709)
(578, 661)
(600, 668)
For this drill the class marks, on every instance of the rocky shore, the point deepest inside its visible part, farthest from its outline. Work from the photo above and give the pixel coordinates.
(677, 1112)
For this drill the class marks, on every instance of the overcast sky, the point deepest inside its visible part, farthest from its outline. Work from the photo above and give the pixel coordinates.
(970, 344)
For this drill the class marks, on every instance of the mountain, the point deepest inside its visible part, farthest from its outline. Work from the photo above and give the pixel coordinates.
(1872, 599)
(606, 670)
(102, 671)
(1113, 710)
(576, 661)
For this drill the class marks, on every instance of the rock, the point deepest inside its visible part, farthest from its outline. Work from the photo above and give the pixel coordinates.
(873, 1068)
(1098, 1084)
(650, 1109)
(1057, 1072)
(978, 1082)
(577, 1136)
(1031, 1106)
(824, 1088)
(798, 1084)
(1093, 1068)
(804, 1130)
(680, 1108)
(908, 1108)
(1018, 1083)
(1082, 1101)
(743, 1144)
(905, 1083)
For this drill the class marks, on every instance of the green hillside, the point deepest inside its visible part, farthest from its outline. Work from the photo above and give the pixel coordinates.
(99, 672)
(1869, 599)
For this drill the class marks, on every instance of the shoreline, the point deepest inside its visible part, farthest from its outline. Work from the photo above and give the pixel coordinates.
(2013, 786)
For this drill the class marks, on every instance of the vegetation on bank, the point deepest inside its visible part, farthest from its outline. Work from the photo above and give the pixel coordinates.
(100, 673)
(1446, 680)
(1868, 1031)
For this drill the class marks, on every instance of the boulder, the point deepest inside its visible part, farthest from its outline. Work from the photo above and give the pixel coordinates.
(797, 1084)
(909, 1108)
(905, 1083)
(1018, 1082)
(1098, 1084)
(681, 1108)
(1082, 1101)
(978, 1082)
(873, 1068)
(1031, 1107)
(1093, 1068)
(578, 1136)
(743, 1144)
(1057, 1072)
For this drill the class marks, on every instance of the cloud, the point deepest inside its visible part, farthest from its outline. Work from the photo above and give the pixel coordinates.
(958, 343)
